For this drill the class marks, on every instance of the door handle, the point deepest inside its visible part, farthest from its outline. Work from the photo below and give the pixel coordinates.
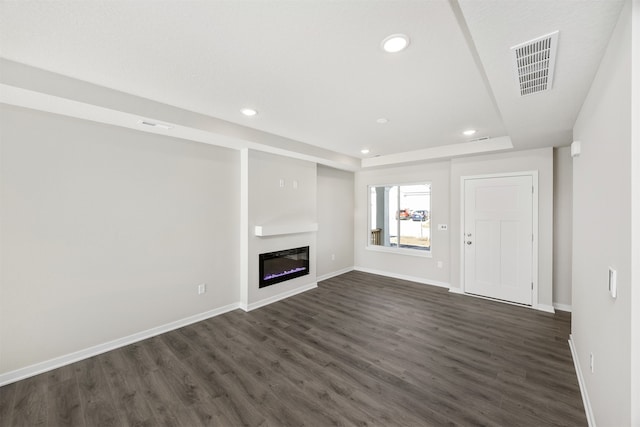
(469, 242)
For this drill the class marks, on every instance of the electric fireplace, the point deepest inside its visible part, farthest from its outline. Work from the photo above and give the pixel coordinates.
(276, 267)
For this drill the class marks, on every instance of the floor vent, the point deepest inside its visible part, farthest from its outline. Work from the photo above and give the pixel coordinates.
(534, 63)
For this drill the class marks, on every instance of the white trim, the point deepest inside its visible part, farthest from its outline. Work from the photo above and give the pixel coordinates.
(403, 277)
(583, 387)
(562, 307)
(461, 235)
(534, 262)
(244, 227)
(48, 365)
(544, 307)
(334, 274)
(388, 249)
(278, 297)
(538, 307)
(400, 251)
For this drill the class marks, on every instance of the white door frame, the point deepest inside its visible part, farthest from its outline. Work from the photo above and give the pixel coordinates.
(534, 261)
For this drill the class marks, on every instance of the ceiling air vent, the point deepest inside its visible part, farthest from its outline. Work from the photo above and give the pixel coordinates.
(534, 63)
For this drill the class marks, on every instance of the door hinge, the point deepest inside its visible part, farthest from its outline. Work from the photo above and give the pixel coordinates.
(531, 285)
(532, 190)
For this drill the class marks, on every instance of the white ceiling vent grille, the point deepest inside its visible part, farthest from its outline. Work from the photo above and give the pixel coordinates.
(534, 62)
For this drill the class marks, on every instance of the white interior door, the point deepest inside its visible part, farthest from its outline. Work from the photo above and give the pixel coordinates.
(498, 237)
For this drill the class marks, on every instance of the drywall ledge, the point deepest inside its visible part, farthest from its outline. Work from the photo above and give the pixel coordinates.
(277, 230)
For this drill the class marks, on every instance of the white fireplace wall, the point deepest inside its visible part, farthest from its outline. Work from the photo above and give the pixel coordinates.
(277, 191)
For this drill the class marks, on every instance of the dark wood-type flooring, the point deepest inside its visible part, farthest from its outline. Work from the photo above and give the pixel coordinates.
(359, 350)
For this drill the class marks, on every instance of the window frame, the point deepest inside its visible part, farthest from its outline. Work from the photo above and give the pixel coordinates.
(422, 253)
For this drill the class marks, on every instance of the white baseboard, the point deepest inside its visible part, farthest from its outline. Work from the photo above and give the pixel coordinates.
(278, 297)
(583, 387)
(403, 277)
(545, 307)
(334, 274)
(540, 307)
(48, 365)
(562, 307)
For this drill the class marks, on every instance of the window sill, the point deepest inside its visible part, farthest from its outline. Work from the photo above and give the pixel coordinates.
(400, 251)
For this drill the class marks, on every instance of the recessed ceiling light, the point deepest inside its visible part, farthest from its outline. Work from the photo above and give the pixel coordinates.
(382, 120)
(395, 43)
(365, 151)
(249, 112)
(469, 132)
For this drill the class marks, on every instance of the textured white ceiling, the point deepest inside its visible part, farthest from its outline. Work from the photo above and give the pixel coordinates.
(314, 69)
(543, 119)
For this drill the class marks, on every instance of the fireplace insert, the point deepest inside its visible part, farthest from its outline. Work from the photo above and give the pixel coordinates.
(276, 267)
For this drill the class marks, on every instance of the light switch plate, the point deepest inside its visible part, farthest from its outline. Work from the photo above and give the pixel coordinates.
(575, 148)
(613, 283)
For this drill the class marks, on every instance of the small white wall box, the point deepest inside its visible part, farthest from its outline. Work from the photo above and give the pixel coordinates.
(575, 148)
(613, 283)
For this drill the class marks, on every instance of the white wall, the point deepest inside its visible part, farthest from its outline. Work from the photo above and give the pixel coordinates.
(106, 232)
(270, 204)
(335, 219)
(540, 160)
(602, 233)
(562, 225)
(412, 267)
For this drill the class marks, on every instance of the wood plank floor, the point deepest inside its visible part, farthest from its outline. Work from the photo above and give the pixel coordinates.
(359, 350)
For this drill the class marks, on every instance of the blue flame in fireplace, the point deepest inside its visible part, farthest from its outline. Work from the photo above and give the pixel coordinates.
(284, 273)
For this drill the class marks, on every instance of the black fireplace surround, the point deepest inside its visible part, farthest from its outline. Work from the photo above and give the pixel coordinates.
(276, 267)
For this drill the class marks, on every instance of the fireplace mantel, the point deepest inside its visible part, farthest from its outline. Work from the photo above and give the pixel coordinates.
(280, 229)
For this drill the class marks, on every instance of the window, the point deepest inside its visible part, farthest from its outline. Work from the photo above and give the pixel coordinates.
(400, 217)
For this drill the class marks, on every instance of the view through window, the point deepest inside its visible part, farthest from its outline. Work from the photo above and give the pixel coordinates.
(400, 216)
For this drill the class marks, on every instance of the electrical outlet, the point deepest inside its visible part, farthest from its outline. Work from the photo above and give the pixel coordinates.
(202, 288)
(591, 362)
(333, 257)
